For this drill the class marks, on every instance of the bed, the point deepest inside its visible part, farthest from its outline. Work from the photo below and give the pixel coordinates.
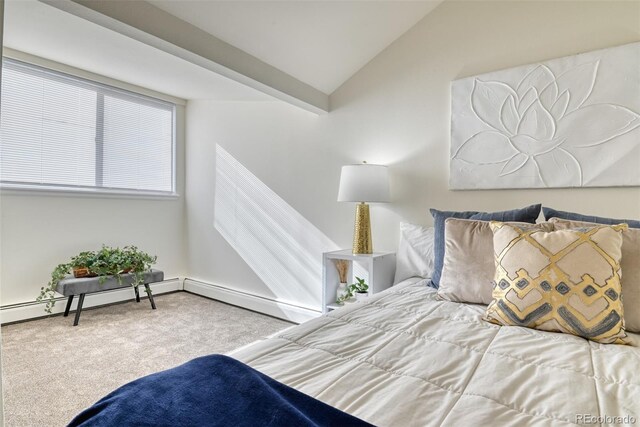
(405, 358)
(416, 356)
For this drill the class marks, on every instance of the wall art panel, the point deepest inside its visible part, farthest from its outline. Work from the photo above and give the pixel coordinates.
(567, 122)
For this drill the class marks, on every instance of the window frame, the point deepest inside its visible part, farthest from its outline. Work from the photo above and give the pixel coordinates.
(102, 87)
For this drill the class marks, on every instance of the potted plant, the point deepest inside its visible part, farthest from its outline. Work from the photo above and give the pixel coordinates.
(107, 261)
(81, 263)
(360, 290)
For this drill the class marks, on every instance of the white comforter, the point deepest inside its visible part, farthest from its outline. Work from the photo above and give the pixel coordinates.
(406, 359)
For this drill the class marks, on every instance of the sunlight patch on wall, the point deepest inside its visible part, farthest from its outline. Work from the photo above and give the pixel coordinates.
(282, 247)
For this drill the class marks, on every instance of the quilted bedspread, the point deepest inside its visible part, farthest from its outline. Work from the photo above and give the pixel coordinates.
(403, 358)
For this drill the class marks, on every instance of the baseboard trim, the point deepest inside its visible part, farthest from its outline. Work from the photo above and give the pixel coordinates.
(34, 310)
(290, 312)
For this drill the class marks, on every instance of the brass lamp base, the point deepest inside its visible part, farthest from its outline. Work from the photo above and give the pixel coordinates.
(362, 231)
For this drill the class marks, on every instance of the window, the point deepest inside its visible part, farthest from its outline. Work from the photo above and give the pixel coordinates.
(63, 132)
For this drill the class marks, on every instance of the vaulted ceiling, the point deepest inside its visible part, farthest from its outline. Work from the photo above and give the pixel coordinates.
(321, 43)
(41, 30)
(299, 51)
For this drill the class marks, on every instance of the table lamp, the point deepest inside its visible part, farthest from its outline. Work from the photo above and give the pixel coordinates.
(363, 183)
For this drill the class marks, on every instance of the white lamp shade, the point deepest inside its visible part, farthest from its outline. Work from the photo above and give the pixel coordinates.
(364, 183)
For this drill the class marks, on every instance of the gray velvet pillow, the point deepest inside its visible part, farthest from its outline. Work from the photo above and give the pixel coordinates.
(572, 216)
(527, 214)
(469, 262)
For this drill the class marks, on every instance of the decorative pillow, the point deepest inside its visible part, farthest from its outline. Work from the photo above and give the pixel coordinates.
(469, 264)
(564, 281)
(415, 252)
(630, 265)
(528, 214)
(571, 216)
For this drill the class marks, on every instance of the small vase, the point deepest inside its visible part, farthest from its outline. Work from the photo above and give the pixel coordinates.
(361, 296)
(342, 288)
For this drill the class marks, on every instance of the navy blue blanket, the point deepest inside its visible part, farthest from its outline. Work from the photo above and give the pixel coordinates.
(211, 391)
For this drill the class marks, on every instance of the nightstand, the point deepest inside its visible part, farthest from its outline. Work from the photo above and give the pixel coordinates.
(376, 269)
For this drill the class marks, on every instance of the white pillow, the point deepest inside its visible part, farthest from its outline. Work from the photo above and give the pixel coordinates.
(415, 252)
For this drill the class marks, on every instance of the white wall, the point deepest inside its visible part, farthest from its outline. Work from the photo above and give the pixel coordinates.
(1, 393)
(395, 111)
(41, 230)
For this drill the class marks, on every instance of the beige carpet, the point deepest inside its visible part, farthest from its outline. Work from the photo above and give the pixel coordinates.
(52, 371)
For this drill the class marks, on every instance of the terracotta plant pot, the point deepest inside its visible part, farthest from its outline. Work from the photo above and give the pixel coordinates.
(82, 272)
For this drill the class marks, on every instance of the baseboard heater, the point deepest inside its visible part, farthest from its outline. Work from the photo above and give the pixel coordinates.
(12, 313)
(272, 307)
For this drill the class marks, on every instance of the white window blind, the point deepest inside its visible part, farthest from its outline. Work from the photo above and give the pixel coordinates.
(62, 131)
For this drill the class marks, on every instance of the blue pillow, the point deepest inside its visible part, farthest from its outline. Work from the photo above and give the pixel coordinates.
(571, 216)
(528, 214)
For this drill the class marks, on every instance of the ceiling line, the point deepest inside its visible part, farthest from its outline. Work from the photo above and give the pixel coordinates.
(150, 25)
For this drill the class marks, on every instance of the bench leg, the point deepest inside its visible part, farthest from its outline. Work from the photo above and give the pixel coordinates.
(79, 310)
(150, 295)
(135, 288)
(69, 301)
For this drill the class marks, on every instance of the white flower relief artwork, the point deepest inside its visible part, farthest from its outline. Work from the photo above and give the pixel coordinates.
(568, 122)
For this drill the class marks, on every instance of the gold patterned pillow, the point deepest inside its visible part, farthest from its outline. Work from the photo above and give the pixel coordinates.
(563, 281)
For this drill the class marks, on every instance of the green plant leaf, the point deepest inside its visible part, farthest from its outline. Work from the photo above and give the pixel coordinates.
(107, 261)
